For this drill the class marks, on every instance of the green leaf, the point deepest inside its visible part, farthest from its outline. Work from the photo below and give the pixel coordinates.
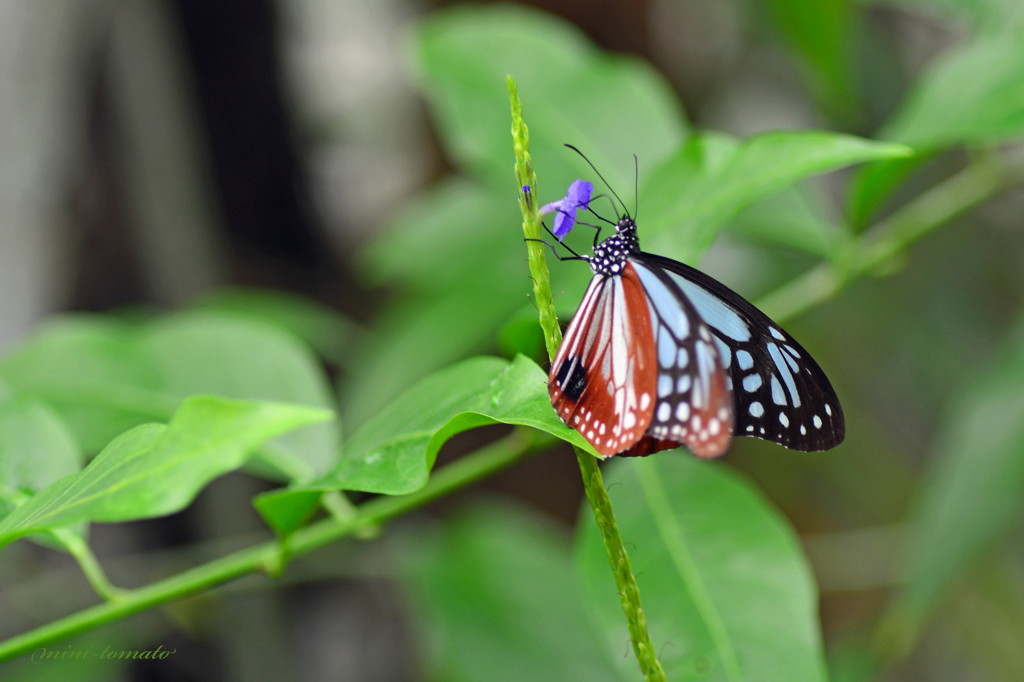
(419, 237)
(104, 377)
(324, 329)
(974, 490)
(440, 318)
(725, 588)
(154, 469)
(713, 177)
(795, 218)
(974, 94)
(464, 55)
(494, 598)
(36, 449)
(871, 186)
(520, 334)
(418, 336)
(394, 451)
(202, 352)
(90, 370)
(286, 510)
(569, 92)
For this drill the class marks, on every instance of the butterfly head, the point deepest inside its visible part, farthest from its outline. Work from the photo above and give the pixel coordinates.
(626, 226)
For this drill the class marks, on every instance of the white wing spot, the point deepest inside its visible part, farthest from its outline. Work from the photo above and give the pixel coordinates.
(745, 359)
(664, 412)
(682, 412)
(783, 419)
(682, 325)
(683, 385)
(666, 348)
(828, 409)
(683, 358)
(817, 422)
(724, 354)
(664, 385)
(750, 427)
(793, 365)
(778, 396)
(751, 382)
(756, 409)
(714, 427)
(803, 430)
(782, 365)
(776, 333)
(629, 421)
(645, 400)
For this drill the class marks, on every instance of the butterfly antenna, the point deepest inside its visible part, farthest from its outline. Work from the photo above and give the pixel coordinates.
(584, 157)
(601, 217)
(636, 187)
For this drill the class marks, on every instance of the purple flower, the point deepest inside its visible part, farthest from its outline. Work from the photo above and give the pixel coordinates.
(576, 197)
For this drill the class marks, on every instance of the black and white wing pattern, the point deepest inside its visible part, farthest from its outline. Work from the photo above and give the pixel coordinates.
(634, 379)
(779, 392)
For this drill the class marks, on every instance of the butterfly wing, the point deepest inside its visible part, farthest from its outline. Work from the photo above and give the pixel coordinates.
(693, 405)
(779, 391)
(635, 377)
(600, 377)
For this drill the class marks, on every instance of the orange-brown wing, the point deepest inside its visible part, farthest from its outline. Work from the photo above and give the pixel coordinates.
(603, 379)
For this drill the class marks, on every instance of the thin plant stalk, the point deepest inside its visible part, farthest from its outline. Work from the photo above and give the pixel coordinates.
(593, 483)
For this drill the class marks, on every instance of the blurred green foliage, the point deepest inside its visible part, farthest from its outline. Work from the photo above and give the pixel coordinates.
(929, 365)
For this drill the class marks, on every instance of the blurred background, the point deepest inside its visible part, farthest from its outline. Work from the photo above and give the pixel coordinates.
(156, 153)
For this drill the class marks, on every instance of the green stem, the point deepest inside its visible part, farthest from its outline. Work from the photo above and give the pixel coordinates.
(90, 566)
(890, 239)
(258, 558)
(593, 483)
(526, 177)
(629, 591)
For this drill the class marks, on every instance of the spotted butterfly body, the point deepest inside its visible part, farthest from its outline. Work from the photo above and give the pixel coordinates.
(659, 355)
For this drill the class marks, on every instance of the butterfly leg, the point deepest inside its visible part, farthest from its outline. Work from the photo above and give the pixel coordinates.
(574, 256)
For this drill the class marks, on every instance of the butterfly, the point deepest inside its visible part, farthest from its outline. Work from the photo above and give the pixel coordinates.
(660, 355)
